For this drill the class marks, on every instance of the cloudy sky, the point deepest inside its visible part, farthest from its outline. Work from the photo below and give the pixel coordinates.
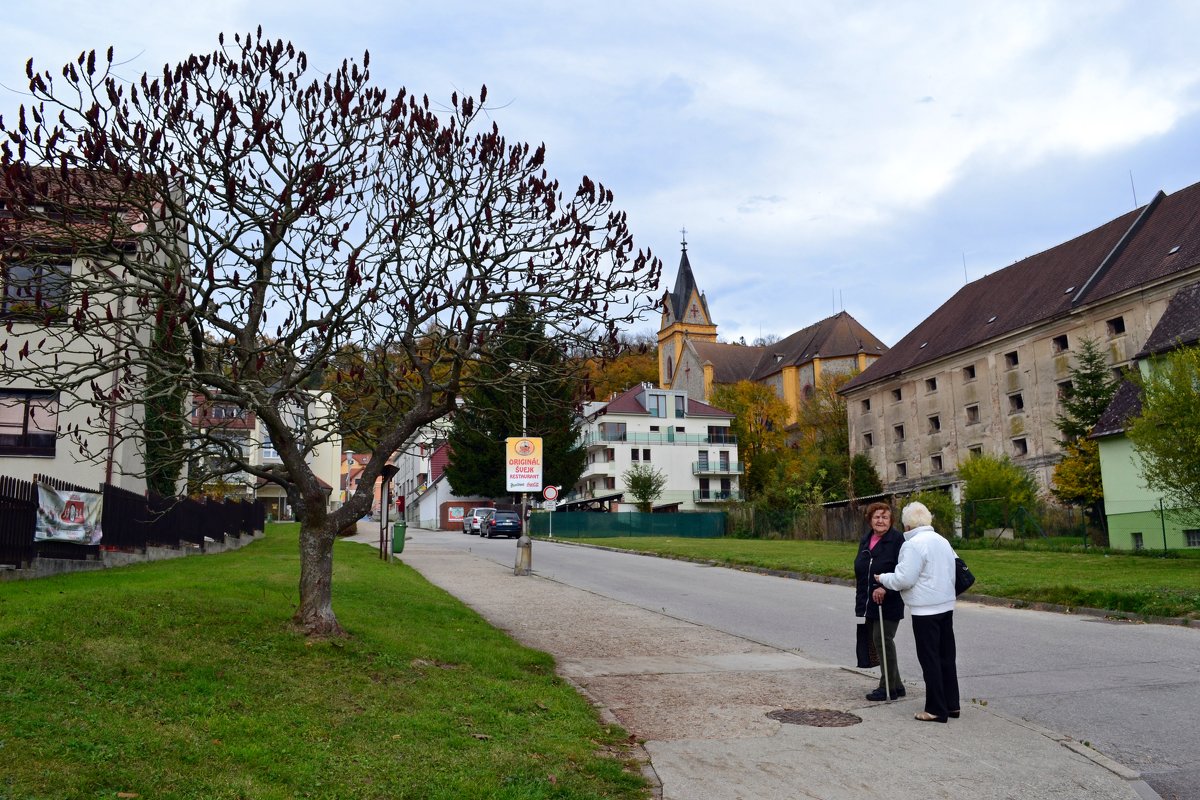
(870, 156)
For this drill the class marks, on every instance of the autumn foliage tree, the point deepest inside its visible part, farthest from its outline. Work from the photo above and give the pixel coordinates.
(760, 423)
(279, 215)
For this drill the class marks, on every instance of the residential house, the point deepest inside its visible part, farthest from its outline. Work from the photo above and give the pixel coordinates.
(225, 425)
(985, 372)
(689, 441)
(48, 252)
(324, 456)
(1137, 516)
(692, 360)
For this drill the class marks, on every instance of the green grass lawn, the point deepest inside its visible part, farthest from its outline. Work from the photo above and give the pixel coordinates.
(182, 679)
(1138, 584)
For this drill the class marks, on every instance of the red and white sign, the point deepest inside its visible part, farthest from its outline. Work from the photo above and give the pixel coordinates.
(524, 464)
(550, 493)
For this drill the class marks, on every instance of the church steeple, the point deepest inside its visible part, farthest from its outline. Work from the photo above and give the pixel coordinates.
(684, 315)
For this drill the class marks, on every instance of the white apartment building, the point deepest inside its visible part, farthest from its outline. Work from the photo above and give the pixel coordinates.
(689, 441)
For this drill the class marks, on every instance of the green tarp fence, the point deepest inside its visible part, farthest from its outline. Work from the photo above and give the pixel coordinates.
(596, 525)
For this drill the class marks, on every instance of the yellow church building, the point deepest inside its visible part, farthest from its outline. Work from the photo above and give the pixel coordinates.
(691, 358)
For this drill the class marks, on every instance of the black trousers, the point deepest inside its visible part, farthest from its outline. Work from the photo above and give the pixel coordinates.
(934, 637)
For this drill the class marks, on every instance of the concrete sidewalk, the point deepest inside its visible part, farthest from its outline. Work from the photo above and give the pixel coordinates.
(700, 699)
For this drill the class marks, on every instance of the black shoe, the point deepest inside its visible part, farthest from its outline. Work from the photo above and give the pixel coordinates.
(954, 714)
(880, 694)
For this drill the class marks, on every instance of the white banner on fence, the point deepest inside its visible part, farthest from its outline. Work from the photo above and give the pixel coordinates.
(68, 516)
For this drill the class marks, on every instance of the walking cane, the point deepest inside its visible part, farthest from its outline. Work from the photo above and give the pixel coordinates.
(883, 655)
(887, 688)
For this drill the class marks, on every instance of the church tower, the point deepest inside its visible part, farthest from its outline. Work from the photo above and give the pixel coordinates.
(684, 316)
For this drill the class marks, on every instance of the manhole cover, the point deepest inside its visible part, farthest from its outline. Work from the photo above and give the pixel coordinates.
(816, 717)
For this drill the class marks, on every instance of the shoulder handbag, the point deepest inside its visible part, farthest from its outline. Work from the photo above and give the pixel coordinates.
(865, 650)
(963, 579)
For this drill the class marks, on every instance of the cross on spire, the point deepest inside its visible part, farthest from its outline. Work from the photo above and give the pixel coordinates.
(683, 233)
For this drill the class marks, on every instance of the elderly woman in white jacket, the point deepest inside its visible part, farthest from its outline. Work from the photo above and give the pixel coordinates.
(924, 576)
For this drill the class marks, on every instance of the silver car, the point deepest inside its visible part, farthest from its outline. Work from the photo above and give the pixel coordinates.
(473, 522)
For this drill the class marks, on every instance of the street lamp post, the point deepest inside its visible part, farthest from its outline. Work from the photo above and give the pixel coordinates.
(524, 563)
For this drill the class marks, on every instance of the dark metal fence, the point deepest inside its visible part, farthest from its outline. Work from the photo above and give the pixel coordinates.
(129, 521)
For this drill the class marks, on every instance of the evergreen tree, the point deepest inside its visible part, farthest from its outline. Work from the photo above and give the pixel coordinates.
(166, 399)
(1092, 388)
(522, 359)
(1077, 475)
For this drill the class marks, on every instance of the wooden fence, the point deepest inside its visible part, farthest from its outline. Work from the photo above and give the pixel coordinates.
(130, 522)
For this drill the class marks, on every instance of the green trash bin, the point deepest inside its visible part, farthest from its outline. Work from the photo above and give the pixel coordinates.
(398, 529)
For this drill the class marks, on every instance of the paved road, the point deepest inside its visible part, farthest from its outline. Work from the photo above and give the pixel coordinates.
(1130, 690)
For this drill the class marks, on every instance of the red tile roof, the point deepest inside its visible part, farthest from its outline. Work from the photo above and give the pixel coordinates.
(1130, 251)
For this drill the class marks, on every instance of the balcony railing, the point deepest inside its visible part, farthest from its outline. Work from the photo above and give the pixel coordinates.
(717, 468)
(660, 438)
(715, 496)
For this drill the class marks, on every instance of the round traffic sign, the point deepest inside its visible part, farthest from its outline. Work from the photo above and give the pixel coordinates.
(550, 492)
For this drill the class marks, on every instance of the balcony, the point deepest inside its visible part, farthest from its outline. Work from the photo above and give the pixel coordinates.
(667, 437)
(715, 496)
(717, 468)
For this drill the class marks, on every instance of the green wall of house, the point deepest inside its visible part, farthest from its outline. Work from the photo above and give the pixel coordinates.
(1131, 508)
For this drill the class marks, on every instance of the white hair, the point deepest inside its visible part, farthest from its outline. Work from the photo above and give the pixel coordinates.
(915, 515)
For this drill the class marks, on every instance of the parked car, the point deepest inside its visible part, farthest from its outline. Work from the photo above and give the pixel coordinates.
(503, 523)
(473, 522)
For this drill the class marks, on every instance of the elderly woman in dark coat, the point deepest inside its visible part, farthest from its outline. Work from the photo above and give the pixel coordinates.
(878, 552)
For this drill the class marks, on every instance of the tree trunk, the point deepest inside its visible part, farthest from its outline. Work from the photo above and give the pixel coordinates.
(314, 616)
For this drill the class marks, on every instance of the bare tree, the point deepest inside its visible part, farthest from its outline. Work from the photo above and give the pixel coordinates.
(282, 220)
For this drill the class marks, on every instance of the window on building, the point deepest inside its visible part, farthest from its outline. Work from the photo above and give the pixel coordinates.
(935, 423)
(679, 429)
(1020, 447)
(901, 469)
(1016, 403)
(670, 369)
(1191, 537)
(868, 439)
(719, 435)
(898, 432)
(866, 406)
(1138, 544)
(610, 455)
(723, 460)
(35, 287)
(931, 384)
(28, 422)
(897, 395)
(1115, 326)
(656, 404)
(269, 453)
(610, 483)
(975, 450)
(680, 409)
(726, 488)
(969, 372)
(612, 431)
(704, 492)
(703, 459)
(654, 429)
(972, 414)
(635, 454)
(646, 454)
(1011, 360)
(1065, 389)
(1059, 343)
(935, 462)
